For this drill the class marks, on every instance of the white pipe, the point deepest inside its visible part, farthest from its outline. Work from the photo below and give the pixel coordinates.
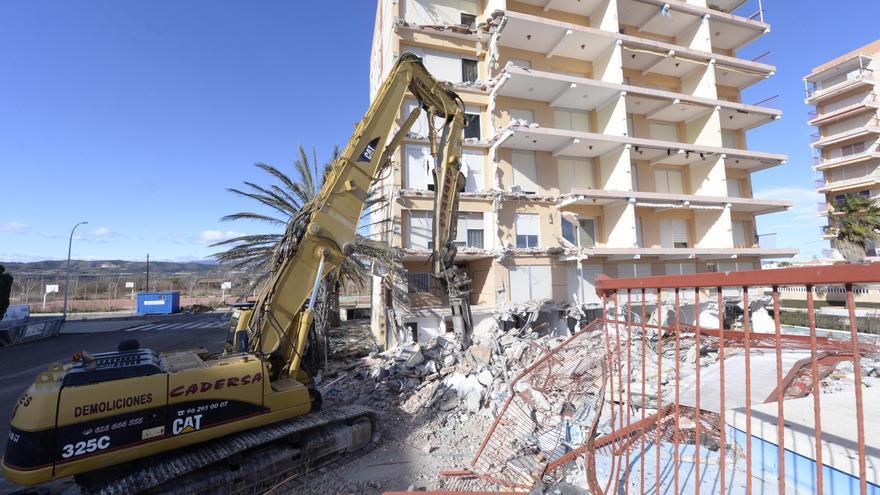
(317, 282)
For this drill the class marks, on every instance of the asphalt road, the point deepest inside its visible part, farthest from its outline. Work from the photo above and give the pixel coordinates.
(22, 363)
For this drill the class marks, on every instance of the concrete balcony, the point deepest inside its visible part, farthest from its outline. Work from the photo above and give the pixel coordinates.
(650, 56)
(870, 103)
(667, 201)
(842, 161)
(733, 32)
(556, 38)
(841, 78)
(706, 254)
(729, 32)
(562, 142)
(871, 129)
(585, 8)
(566, 91)
(854, 183)
(407, 30)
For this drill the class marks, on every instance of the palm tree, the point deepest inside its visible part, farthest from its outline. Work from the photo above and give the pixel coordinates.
(856, 226)
(289, 202)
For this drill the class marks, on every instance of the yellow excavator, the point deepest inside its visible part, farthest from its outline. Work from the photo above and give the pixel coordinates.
(238, 422)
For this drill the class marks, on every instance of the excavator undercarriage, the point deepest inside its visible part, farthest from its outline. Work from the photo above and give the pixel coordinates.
(249, 462)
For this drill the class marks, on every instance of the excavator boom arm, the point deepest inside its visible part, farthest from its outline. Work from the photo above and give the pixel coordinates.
(282, 317)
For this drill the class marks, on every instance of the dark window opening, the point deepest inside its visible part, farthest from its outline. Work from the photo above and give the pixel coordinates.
(468, 20)
(568, 231)
(413, 328)
(526, 241)
(472, 125)
(469, 71)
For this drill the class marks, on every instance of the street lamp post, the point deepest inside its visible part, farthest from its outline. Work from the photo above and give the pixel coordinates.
(67, 276)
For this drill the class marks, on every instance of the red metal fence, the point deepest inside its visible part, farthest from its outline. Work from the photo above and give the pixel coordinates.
(693, 384)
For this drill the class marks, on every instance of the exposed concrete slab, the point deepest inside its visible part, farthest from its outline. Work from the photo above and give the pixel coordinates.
(763, 379)
(838, 426)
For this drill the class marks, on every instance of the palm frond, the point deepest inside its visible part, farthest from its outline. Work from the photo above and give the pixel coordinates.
(246, 215)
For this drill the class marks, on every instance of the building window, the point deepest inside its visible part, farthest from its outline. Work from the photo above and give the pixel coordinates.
(734, 188)
(420, 229)
(583, 235)
(852, 149)
(674, 234)
(424, 282)
(472, 166)
(740, 239)
(468, 20)
(728, 139)
(574, 173)
(640, 240)
(419, 163)
(469, 72)
(530, 282)
(475, 238)
(669, 180)
(525, 171)
(680, 268)
(634, 270)
(469, 230)
(472, 125)
(664, 131)
(444, 66)
(840, 197)
(568, 231)
(527, 230)
(572, 120)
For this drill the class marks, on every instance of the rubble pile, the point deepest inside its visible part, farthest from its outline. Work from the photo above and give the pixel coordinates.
(437, 376)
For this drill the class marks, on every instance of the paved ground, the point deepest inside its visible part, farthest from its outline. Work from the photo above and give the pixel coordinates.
(22, 363)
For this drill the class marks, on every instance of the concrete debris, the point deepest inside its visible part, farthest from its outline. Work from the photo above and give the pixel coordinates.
(479, 30)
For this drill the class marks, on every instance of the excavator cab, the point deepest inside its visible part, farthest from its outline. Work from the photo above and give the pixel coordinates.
(237, 333)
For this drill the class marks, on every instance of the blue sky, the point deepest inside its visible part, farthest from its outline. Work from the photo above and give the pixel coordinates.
(136, 116)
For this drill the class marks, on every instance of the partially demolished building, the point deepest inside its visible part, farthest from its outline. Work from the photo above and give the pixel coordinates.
(604, 136)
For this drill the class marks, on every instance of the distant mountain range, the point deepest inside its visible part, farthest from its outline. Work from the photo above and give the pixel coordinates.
(104, 267)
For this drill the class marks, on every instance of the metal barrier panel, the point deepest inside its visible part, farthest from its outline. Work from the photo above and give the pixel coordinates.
(738, 402)
(29, 331)
(693, 384)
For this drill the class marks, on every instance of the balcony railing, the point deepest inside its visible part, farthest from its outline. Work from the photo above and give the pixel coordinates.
(868, 99)
(424, 283)
(766, 241)
(822, 207)
(873, 122)
(819, 87)
(820, 183)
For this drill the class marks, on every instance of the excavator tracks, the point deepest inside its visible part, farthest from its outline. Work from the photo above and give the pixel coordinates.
(247, 462)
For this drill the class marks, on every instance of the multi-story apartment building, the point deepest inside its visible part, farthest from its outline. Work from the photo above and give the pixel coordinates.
(604, 136)
(845, 147)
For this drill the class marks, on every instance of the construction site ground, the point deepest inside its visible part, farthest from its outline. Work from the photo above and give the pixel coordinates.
(418, 440)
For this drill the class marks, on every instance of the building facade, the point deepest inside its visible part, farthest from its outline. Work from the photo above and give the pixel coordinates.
(846, 157)
(603, 137)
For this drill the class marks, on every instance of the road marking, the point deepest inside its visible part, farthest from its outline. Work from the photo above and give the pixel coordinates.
(190, 325)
